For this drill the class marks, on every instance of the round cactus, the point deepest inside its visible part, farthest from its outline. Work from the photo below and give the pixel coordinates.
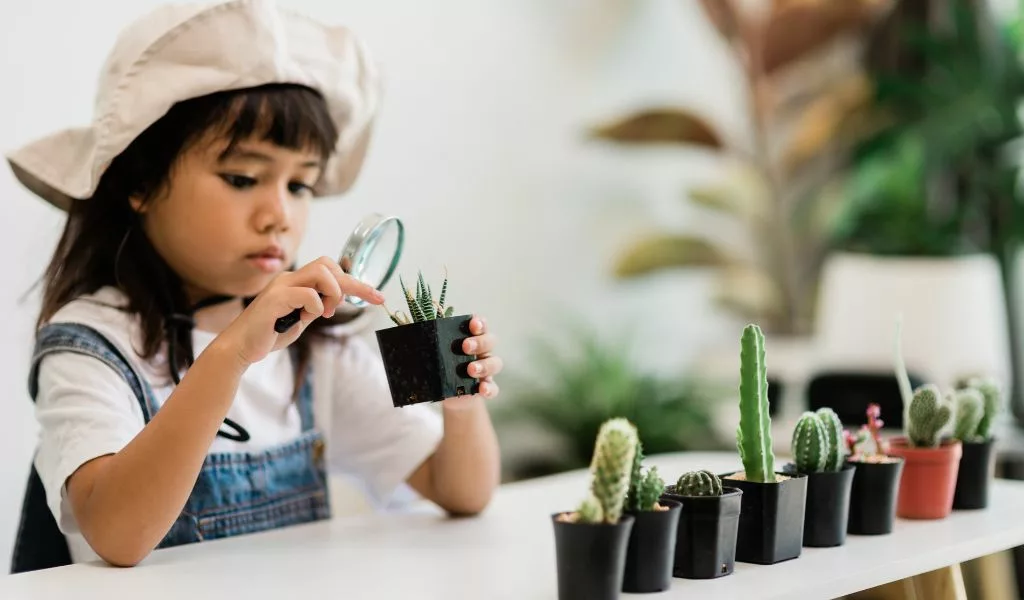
(699, 483)
(810, 444)
(834, 431)
(929, 413)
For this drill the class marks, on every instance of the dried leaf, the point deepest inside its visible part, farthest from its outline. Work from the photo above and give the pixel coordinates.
(750, 292)
(664, 251)
(741, 192)
(821, 122)
(660, 125)
(797, 28)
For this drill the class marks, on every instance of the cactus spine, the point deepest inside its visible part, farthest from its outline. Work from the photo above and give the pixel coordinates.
(753, 435)
(699, 483)
(970, 408)
(611, 467)
(929, 411)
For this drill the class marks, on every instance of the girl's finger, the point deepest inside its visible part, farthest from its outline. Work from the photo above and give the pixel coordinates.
(477, 325)
(479, 345)
(487, 388)
(352, 286)
(487, 367)
(304, 298)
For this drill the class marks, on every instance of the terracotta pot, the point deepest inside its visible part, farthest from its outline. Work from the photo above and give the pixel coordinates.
(929, 478)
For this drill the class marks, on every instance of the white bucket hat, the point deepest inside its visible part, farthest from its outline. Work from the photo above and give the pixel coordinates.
(182, 51)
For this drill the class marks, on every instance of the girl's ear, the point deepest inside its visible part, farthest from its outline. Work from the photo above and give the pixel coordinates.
(137, 204)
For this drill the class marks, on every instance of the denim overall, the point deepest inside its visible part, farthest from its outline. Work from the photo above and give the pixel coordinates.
(234, 494)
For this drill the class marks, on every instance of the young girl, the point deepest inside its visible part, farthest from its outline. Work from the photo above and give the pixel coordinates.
(170, 410)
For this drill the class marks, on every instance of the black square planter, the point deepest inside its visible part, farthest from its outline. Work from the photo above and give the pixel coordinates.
(425, 362)
(771, 527)
(706, 535)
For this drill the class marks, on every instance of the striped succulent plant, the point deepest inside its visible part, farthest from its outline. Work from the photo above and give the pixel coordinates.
(422, 306)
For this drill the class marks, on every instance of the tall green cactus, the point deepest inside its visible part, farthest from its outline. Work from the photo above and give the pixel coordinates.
(970, 408)
(836, 440)
(753, 435)
(929, 412)
(992, 404)
(633, 495)
(611, 466)
(699, 483)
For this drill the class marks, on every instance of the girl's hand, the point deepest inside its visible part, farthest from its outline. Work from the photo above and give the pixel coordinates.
(484, 368)
(316, 288)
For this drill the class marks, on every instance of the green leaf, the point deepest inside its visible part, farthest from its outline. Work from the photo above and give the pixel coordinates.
(665, 251)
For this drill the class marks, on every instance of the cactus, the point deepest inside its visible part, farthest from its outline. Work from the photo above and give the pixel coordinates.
(834, 430)
(810, 444)
(649, 489)
(421, 305)
(611, 466)
(992, 403)
(589, 511)
(699, 483)
(753, 435)
(633, 496)
(929, 411)
(970, 408)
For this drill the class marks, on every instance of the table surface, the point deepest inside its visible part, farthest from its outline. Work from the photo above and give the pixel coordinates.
(508, 552)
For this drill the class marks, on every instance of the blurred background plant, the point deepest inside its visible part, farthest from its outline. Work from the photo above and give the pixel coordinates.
(576, 383)
(808, 100)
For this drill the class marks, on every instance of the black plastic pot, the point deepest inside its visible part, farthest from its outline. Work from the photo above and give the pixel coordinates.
(591, 558)
(828, 507)
(771, 527)
(977, 468)
(425, 362)
(873, 495)
(651, 548)
(706, 535)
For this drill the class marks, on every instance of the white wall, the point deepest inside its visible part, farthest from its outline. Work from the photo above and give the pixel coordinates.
(483, 116)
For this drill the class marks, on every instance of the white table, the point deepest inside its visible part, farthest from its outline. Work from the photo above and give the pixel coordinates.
(508, 552)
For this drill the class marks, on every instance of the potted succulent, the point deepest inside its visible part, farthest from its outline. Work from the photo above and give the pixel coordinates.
(771, 526)
(876, 478)
(591, 541)
(819, 452)
(978, 401)
(652, 541)
(708, 525)
(932, 460)
(423, 353)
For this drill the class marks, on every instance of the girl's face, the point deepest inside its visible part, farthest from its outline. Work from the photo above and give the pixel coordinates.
(228, 223)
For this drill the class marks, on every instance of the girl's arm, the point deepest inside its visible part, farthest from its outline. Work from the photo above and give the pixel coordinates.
(462, 473)
(126, 502)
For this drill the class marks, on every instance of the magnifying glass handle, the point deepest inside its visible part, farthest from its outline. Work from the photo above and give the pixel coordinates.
(286, 322)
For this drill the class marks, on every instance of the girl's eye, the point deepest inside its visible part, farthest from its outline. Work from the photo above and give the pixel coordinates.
(240, 182)
(297, 187)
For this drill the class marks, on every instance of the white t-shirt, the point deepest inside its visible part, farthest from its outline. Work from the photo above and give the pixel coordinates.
(86, 410)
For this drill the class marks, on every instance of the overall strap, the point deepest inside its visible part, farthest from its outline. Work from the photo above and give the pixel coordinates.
(75, 337)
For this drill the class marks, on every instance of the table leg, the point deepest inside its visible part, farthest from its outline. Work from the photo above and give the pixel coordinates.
(946, 583)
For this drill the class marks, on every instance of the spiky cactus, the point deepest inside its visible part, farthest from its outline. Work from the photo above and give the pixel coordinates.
(810, 444)
(422, 306)
(699, 483)
(970, 408)
(589, 511)
(929, 410)
(648, 489)
(834, 430)
(611, 467)
(633, 495)
(753, 435)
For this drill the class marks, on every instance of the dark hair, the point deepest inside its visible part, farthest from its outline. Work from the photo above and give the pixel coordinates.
(103, 243)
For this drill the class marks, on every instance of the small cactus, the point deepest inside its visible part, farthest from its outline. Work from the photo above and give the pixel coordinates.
(970, 408)
(810, 444)
(422, 306)
(857, 444)
(929, 413)
(992, 403)
(633, 496)
(650, 487)
(834, 430)
(611, 466)
(699, 483)
(753, 435)
(589, 511)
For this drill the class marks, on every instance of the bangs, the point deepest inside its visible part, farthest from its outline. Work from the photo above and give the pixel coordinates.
(289, 116)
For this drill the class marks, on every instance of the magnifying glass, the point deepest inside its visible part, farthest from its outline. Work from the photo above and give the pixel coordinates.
(370, 255)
